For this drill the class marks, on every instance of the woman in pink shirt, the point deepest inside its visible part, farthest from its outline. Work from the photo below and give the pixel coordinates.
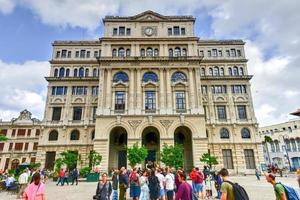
(36, 190)
(185, 190)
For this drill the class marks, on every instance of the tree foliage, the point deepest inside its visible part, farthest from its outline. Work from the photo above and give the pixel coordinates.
(2, 136)
(172, 156)
(209, 159)
(95, 158)
(68, 158)
(85, 171)
(267, 139)
(136, 154)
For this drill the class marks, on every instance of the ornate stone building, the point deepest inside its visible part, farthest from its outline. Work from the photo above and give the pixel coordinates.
(150, 80)
(23, 136)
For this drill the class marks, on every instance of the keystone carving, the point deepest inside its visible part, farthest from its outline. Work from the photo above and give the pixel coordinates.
(134, 123)
(166, 123)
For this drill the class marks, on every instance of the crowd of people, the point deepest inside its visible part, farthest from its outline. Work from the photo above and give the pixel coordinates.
(64, 175)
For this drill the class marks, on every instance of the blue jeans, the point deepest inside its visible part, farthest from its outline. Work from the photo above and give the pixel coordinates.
(61, 180)
(115, 195)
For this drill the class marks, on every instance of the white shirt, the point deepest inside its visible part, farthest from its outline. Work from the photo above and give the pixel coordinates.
(23, 178)
(170, 182)
(161, 179)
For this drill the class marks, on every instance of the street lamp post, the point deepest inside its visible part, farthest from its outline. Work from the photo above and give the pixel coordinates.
(284, 138)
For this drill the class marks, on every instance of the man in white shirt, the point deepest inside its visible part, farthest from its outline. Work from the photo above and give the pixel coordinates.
(169, 181)
(161, 179)
(23, 181)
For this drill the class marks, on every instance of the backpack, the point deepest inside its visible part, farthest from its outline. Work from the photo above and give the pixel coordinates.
(291, 193)
(238, 191)
(133, 177)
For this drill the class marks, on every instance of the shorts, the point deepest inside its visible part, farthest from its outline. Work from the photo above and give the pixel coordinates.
(162, 193)
(135, 191)
(197, 187)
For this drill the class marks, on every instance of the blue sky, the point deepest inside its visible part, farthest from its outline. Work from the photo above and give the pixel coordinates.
(29, 26)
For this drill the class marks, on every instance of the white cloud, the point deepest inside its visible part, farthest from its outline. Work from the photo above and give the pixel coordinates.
(22, 87)
(6, 6)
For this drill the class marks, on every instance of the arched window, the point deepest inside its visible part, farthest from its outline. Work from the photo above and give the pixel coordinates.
(156, 52)
(53, 136)
(202, 71)
(121, 52)
(184, 52)
(150, 76)
(75, 135)
(210, 71)
(75, 72)
(178, 76)
(241, 71)
(95, 72)
(121, 76)
(149, 52)
(143, 52)
(127, 52)
(61, 72)
(222, 71)
(67, 72)
(230, 71)
(93, 135)
(294, 147)
(86, 72)
(81, 72)
(235, 71)
(55, 72)
(216, 71)
(224, 133)
(114, 53)
(177, 52)
(170, 52)
(245, 133)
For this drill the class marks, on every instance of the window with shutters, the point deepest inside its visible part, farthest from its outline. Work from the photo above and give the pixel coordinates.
(26, 146)
(1, 146)
(37, 132)
(249, 158)
(28, 132)
(18, 146)
(21, 132)
(227, 158)
(56, 113)
(35, 145)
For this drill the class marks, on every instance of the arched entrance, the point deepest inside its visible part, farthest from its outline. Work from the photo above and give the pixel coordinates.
(15, 163)
(117, 149)
(183, 135)
(151, 140)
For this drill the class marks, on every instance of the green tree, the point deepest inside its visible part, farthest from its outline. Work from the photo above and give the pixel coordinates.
(172, 156)
(136, 154)
(267, 139)
(68, 158)
(2, 136)
(95, 158)
(209, 159)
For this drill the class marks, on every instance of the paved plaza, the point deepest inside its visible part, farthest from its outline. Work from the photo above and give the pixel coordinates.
(257, 190)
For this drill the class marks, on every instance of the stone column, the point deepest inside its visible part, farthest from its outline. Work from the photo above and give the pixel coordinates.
(131, 92)
(162, 105)
(108, 92)
(191, 91)
(198, 92)
(101, 92)
(138, 92)
(169, 92)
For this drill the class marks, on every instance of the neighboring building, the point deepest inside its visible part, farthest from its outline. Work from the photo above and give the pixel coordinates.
(23, 136)
(285, 144)
(150, 80)
(296, 113)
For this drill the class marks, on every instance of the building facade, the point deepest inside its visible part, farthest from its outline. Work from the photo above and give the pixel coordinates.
(150, 80)
(284, 149)
(23, 136)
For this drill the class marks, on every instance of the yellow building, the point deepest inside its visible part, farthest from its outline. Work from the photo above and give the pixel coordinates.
(150, 80)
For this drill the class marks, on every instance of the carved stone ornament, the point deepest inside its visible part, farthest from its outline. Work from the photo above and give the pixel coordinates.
(134, 123)
(166, 123)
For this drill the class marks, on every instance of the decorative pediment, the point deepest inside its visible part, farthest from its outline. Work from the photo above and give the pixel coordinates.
(149, 15)
(179, 83)
(149, 84)
(58, 100)
(24, 118)
(78, 100)
(120, 84)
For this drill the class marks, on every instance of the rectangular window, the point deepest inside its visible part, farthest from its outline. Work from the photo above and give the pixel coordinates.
(150, 100)
(69, 54)
(94, 112)
(35, 146)
(227, 53)
(32, 160)
(182, 31)
(95, 90)
(169, 31)
(28, 132)
(88, 54)
(56, 114)
(239, 53)
(21, 132)
(176, 30)
(3, 131)
(18, 146)
(120, 100)
(201, 53)
(82, 54)
(220, 53)
(204, 89)
(249, 158)
(233, 52)
(23, 160)
(10, 146)
(64, 53)
(227, 158)
(239, 89)
(221, 112)
(96, 54)
(1, 146)
(209, 53)
(13, 132)
(59, 90)
(37, 132)
(77, 113)
(26, 146)
(128, 31)
(242, 112)
(214, 52)
(219, 89)
(122, 30)
(115, 31)
(180, 100)
(57, 54)
(77, 54)
(79, 90)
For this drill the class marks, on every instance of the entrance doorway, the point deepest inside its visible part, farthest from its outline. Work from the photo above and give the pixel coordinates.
(117, 149)
(151, 140)
(50, 158)
(183, 136)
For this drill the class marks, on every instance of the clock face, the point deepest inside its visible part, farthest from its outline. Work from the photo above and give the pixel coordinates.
(149, 31)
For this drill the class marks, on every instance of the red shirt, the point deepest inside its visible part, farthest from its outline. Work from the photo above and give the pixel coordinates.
(61, 174)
